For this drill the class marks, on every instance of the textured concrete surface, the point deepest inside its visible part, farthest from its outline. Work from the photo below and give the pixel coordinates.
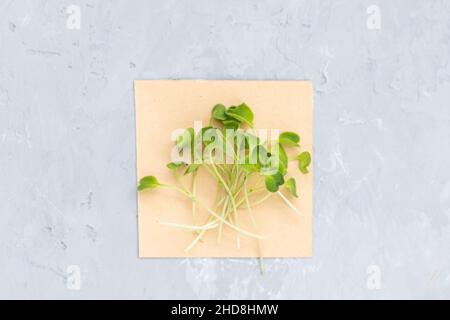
(67, 147)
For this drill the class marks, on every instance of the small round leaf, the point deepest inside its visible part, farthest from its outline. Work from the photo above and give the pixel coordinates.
(271, 184)
(218, 112)
(192, 168)
(291, 186)
(149, 182)
(304, 160)
(175, 165)
(231, 124)
(274, 181)
(242, 113)
(289, 139)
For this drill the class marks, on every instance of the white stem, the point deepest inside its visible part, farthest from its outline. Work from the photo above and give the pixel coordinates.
(289, 204)
(194, 193)
(224, 210)
(232, 226)
(226, 187)
(252, 219)
(197, 239)
(207, 226)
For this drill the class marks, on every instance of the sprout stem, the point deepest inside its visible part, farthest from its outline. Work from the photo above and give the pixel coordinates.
(208, 226)
(252, 219)
(225, 186)
(289, 204)
(268, 195)
(224, 210)
(231, 225)
(194, 193)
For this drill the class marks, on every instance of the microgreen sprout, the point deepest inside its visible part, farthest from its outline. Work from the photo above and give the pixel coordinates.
(248, 171)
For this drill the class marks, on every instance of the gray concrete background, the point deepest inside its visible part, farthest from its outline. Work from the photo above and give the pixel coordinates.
(381, 128)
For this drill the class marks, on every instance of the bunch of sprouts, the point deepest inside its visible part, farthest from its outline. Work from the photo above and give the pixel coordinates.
(248, 171)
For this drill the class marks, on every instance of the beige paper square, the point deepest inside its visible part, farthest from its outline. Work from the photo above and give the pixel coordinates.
(163, 106)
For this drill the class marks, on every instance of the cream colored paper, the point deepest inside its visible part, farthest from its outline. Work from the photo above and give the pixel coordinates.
(163, 106)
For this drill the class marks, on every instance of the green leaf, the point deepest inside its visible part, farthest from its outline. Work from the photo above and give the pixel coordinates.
(278, 150)
(191, 168)
(218, 112)
(242, 113)
(289, 139)
(304, 160)
(149, 182)
(273, 182)
(231, 124)
(175, 165)
(291, 186)
(279, 178)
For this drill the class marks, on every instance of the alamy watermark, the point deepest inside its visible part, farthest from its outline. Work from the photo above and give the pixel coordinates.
(373, 281)
(210, 145)
(73, 279)
(373, 21)
(73, 21)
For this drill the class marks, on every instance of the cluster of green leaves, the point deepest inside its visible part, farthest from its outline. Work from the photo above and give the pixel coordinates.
(229, 150)
(269, 159)
(234, 116)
